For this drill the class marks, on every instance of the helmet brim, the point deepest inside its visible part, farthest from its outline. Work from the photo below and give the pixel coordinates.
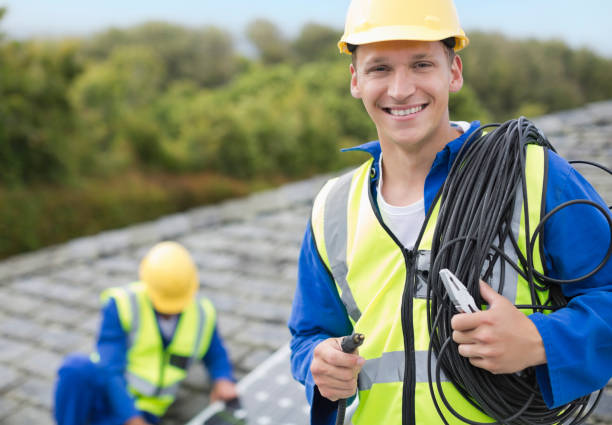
(390, 33)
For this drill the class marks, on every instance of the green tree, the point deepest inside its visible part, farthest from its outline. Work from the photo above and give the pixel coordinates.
(268, 40)
(114, 101)
(2, 13)
(591, 72)
(36, 118)
(465, 106)
(514, 76)
(316, 42)
(205, 56)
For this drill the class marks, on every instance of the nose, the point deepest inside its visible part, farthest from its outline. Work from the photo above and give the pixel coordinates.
(401, 86)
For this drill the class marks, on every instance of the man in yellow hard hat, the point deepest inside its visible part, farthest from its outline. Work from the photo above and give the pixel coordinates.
(371, 230)
(151, 332)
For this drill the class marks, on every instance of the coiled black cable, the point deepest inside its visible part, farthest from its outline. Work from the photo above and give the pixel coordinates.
(474, 222)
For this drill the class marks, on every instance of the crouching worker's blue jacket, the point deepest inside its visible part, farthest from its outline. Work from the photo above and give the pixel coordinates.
(137, 368)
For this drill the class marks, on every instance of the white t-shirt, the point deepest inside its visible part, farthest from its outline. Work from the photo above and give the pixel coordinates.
(405, 221)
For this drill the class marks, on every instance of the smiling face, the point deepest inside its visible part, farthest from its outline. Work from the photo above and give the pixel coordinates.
(404, 86)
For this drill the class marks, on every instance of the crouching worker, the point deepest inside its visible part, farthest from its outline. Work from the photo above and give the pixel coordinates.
(151, 332)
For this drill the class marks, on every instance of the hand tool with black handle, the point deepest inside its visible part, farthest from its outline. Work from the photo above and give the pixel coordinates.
(348, 344)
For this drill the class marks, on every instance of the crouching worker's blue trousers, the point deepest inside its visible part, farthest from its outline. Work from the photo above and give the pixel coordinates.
(82, 395)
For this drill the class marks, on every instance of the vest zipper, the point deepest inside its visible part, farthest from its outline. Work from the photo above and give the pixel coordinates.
(408, 387)
(409, 384)
(408, 332)
(162, 367)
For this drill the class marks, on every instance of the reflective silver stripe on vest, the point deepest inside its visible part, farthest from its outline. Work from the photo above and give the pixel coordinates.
(200, 334)
(145, 388)
(335, 231)
(510, 274)
(135, 318)
(390, 368)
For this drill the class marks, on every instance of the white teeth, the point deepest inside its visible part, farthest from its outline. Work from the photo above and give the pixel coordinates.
(402, 112)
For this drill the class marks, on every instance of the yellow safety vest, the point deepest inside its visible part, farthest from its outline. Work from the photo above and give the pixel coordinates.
(371, 271)
(154, 373)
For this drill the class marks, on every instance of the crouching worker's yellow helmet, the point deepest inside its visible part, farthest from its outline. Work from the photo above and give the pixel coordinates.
(371, 21)
(170, 277)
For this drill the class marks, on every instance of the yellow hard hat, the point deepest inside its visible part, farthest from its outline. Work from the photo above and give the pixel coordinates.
(371, 21)
(170, 277)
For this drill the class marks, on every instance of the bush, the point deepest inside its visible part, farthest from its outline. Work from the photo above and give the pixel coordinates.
(41, 216)
(36, 118)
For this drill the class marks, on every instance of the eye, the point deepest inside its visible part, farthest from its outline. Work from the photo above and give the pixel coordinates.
(378, 68)
(423, 65)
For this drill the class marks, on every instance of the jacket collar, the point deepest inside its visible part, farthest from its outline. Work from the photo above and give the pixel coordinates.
(448, 154)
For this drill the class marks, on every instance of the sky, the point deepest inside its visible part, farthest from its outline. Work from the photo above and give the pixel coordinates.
(585, 23)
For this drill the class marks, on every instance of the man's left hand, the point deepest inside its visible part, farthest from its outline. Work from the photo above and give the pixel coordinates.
(501, 339)
(223, 390)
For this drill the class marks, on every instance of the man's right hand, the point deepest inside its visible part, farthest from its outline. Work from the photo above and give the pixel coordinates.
(334, 371)
(136, 420)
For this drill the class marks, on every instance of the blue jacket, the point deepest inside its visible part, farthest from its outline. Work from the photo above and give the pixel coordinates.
(577, 338)
(112, 347)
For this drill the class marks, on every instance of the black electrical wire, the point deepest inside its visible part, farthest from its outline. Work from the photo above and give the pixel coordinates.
(473, 226)
(594, 164)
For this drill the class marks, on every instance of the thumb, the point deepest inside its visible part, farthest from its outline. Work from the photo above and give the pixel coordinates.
(488, 293)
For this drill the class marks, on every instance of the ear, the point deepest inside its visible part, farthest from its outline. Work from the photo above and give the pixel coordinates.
(355, 92)
(456, 81)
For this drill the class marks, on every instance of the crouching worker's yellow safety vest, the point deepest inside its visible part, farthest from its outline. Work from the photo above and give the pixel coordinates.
(371, 270)
(153, 373)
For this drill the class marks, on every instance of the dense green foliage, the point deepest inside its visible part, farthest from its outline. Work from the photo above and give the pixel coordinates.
(531, 77)
(36, 117)
(131, 123)
(185, 53)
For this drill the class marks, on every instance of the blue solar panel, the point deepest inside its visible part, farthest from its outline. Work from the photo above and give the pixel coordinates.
(267, 396)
